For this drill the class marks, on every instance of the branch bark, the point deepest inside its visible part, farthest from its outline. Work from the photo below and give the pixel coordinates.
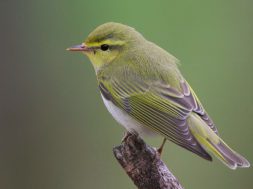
(143, 165)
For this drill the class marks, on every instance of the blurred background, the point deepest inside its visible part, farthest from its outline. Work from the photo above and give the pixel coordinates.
(55, 132)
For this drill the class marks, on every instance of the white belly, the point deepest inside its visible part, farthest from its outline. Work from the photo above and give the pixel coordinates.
(125, 120)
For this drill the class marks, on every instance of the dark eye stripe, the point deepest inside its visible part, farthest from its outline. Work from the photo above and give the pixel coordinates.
(111, 47)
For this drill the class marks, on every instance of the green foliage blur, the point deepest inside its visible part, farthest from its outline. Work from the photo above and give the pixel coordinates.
(55, 132)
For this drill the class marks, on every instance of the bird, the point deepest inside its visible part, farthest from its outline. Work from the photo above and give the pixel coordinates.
(144, 91)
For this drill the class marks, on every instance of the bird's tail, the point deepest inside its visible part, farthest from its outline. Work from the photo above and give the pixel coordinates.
(211, 142)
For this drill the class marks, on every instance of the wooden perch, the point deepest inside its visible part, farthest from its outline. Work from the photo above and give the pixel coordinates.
(143, 165)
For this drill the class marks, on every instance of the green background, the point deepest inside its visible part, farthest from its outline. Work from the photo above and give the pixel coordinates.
(55, 132)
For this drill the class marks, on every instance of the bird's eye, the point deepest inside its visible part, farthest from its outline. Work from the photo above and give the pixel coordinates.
(104, 47)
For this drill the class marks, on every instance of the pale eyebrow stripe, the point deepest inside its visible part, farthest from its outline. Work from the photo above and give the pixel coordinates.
(97, 44)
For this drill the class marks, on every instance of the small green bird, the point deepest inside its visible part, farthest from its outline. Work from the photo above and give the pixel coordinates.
(143, 89)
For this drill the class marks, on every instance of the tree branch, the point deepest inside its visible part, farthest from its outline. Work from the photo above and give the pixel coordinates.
(143, 165)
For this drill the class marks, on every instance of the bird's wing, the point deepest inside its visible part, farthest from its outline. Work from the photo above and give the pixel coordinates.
(158, 106)
(198, 106)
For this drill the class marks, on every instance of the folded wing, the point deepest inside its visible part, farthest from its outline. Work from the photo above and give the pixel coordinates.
(159, 107)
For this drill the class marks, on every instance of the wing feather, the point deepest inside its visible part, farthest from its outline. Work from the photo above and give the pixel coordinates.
(200, 110)
(165, 111)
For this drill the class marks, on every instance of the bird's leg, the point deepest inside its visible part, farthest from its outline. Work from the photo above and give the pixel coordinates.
(160, 149)
(127, 134)
(124, 137)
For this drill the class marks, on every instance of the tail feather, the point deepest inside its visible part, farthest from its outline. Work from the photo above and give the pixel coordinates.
(231, 158)
(211, 142)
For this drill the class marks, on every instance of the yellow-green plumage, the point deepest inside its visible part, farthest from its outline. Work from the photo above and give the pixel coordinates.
(141, 82)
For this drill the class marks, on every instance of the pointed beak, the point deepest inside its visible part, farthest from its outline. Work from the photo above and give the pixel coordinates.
(81, 47)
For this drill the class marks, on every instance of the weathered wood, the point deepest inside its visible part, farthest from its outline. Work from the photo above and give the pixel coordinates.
(143, 165)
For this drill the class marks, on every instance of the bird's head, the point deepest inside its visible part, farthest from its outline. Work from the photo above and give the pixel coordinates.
(107, 42)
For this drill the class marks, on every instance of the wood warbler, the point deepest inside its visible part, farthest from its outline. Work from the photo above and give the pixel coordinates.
(143, 89)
